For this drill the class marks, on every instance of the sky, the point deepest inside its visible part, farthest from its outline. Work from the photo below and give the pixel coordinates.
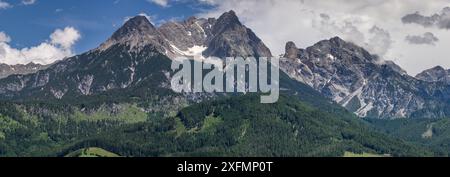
(413, 33)
(43, 31)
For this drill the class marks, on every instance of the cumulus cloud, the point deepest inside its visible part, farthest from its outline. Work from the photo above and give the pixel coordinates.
(374, 39)
(380, 42)
(28, 2)
(4, 37)
(58, 47)
(345, 28)
(427, 38)
(162, 3)
(65, 38)
(4, 5)
(440, 20)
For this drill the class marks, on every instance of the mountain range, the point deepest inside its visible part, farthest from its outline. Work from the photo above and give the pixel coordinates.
(365, 84)
(118, 97)
(124, 60)
(7, 70)
(342, 71)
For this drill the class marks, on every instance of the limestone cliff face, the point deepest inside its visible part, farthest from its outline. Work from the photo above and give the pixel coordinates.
(362, 83)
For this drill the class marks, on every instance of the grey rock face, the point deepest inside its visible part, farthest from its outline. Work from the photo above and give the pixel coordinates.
(291, 50)
(363, 84)
(436, 74)
(187, 34)
(232, 39)
(7, 70)
(395, 67)
(138, 33)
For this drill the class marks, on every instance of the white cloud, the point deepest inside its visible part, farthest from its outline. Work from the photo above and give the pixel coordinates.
(440, 20)
(150, 18)
(59, 47)
(4, 37)
(374, 24)
(380, 42)
(28, 2)
(162, 3)
(4, 5)
(66, 38)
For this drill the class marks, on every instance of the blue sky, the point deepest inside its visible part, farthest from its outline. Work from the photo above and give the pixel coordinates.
(96, 20)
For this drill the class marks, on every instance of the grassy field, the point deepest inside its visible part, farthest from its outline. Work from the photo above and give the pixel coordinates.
(351, 154)
(92, 152)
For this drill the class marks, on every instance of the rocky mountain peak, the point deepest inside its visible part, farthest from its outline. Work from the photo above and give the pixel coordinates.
(438, 68)
(136, 25)
(230, 17)
(436, 74)
(138, 33)
(226, 21)
(337, 42)
(393, 66)
(230, 38)
(291, 50)
(338, 48)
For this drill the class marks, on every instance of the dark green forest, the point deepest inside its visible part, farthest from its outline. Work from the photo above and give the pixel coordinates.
(235, 126)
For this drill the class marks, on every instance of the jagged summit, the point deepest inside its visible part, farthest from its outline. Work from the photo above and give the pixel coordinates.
(139, 24)
(222, 37)
(330, 50)
(440, 68)
(291, 50)
(231, 38)
(339, 43)
(138, 33)
(338, 40)
(435, 74)
(198, 37)
(226, 21)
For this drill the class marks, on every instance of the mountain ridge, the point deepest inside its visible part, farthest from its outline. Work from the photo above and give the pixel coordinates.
(194, 37)
(435, 74)
(362, 82)
(7, 70)
(340, 70)
(122, 62)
